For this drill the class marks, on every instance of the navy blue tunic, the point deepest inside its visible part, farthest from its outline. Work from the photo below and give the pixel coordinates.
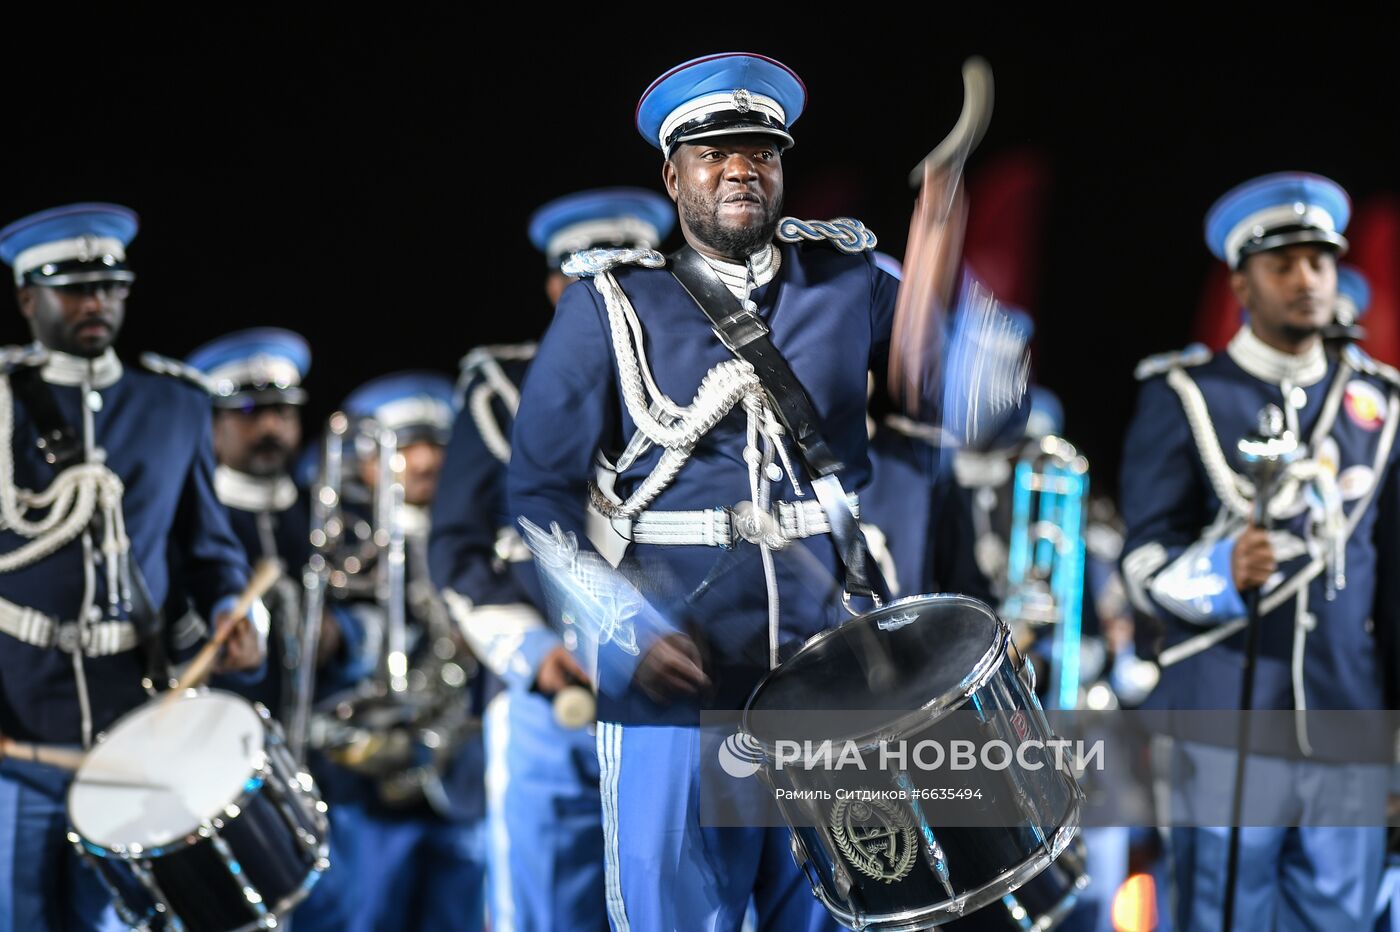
(830, 315)
(156, 432)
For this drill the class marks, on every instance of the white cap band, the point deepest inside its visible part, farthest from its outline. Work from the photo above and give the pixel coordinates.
(414, 412)
(726, 100)
(1259, 223)
(589, 233)
(83, 248)
(257, 370)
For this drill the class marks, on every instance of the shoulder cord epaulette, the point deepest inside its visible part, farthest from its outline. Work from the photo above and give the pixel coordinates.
(845, 233)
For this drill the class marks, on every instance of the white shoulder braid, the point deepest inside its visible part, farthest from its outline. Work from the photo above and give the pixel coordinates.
(1362, 361)
(593, 262)
(164, 365)
(21, 355)
(845, 233)
(481, 381)
(1197, 354)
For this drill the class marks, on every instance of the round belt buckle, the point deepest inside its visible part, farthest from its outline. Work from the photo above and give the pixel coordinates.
(68, 638)
(758, 527)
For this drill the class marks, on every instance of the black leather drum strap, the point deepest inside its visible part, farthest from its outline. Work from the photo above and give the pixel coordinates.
(746, 336)
(58, 441)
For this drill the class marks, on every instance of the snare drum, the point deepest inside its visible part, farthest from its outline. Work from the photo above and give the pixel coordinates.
(196, 817)
(1039, 906)
(921, 670)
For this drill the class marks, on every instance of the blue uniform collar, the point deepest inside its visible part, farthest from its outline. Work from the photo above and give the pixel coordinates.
(65, 369)
(1267, 364)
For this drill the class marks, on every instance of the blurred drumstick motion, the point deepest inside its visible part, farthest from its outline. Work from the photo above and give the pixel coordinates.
(60, 758)
(265, 574)
(934, 253)
(72, 760)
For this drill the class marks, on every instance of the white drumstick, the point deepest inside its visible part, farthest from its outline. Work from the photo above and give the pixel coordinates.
(265, 574)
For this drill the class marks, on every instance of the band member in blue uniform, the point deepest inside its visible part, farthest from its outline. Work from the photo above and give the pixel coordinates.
(1191, 550)
(81, 640)
(630, 370)
(409, 796)
(256, 379)
(544, 811)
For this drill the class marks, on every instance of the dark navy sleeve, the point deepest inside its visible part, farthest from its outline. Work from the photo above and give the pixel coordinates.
(567, 411)
(955, 566)
(1385, 612)
(488, 602)
(1165, 498)
(466, 518)
(884, 288)
(215, 566)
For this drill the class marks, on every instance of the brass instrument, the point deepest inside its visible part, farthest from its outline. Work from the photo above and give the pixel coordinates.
(1045, 562)
(402, 726)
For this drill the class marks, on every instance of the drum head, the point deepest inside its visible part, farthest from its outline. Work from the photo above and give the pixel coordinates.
(923, 652)
(165, 769)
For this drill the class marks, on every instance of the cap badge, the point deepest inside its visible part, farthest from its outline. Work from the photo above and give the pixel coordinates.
(87, 247)
(743, 100)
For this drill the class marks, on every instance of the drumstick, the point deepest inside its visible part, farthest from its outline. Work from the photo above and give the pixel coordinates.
(264, 576)
(60, 758)
(932, 258)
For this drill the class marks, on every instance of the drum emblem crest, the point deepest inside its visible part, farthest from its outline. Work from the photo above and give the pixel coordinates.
(875, 837)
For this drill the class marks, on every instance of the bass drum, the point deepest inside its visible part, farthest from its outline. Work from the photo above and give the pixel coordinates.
(903, 849)
(194, 814)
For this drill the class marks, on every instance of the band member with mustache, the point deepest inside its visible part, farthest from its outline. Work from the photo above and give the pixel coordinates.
(128, 451)
(256, 379)
(1324, 573)
(730, 552)
(543, 805)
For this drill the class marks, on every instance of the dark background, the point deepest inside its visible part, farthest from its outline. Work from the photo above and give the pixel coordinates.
(366, 179)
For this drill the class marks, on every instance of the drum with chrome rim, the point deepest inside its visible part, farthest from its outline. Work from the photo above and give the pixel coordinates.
(196, 817)
(922, 670)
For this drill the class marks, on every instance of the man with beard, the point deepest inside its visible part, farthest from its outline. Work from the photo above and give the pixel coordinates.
(256, 378)
(81, 641)
(1324, 574)
(730, 550)
(543, 808)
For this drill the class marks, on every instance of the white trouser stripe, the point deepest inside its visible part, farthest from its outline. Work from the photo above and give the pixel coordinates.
(610, 761)
(497, 781)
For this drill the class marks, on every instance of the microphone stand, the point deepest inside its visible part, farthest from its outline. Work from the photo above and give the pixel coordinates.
(1265, 453)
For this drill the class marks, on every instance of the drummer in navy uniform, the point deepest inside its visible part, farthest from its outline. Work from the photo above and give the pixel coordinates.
(545, 814)
(1191, 550)
(418, 859)
(256, 379)
(81, 641)
(729, 547)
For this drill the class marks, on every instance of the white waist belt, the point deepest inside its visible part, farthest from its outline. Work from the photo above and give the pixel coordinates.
(723, 527)
(100, 639)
